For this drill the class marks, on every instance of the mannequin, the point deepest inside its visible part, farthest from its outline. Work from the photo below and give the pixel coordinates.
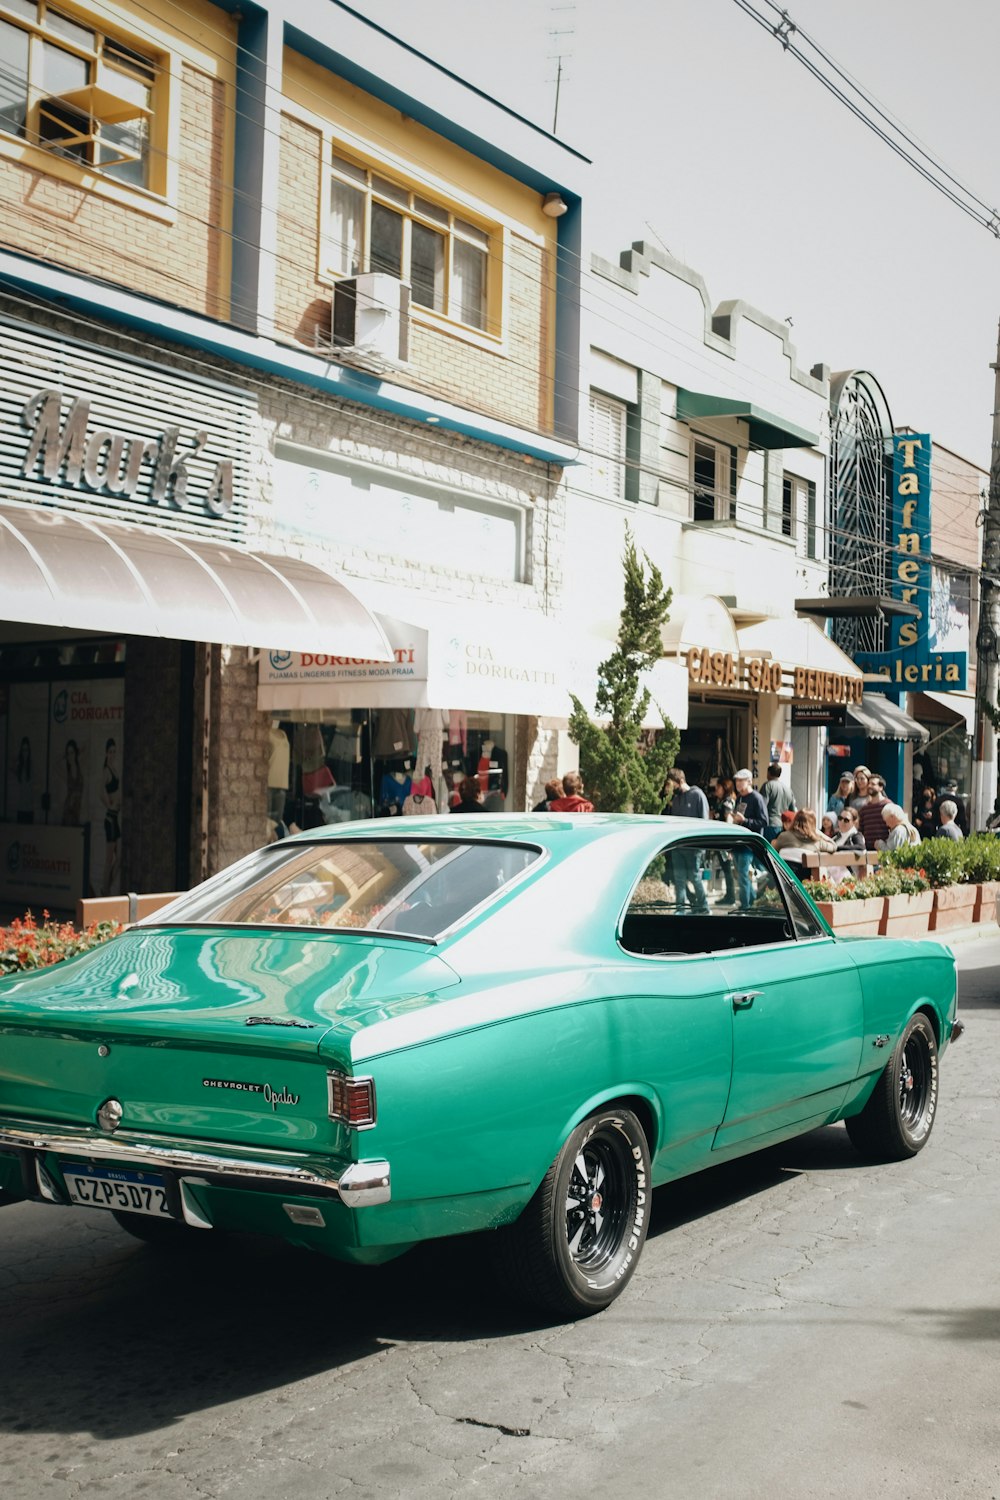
(491, 769)
(277, 772)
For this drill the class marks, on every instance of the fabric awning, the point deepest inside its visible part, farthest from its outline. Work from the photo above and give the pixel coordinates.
(881, 719)
(699, 620)
(479, 657)
(67, 570)
(796, 643)
(766, 429)
(946, 708)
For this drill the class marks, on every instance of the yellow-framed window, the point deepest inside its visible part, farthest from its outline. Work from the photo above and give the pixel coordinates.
(70, 88)
(373, 223)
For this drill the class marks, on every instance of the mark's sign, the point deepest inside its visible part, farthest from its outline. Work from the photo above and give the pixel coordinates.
(757, 674)
(75, 453)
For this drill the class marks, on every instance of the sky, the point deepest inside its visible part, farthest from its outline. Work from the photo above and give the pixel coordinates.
(708, 139)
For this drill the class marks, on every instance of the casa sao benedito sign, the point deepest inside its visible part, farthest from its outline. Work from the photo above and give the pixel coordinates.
(756, 674)
(86, 429)
(911, 661)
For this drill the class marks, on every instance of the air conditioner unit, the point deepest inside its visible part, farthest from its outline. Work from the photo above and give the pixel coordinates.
(371, 320)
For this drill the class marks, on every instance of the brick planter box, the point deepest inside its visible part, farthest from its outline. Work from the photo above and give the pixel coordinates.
(907, 916)
(985, 909)
(854, 918)
(953, 907)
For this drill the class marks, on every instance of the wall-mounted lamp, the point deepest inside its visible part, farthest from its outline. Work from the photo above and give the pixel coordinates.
(554, 205)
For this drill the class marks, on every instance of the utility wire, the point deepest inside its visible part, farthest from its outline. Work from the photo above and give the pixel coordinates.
(869, 112)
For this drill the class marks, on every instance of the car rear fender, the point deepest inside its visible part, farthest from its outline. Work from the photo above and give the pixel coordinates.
(638, 1097)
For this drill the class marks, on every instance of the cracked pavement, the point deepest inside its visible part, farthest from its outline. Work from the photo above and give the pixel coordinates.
(801, 1325)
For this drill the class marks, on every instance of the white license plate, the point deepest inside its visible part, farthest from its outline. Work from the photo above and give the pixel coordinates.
(115, 1187)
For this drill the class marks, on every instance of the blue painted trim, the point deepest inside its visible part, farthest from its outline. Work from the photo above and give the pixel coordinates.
(111, 305)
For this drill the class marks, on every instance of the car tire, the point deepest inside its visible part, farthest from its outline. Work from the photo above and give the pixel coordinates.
(576, 1245)
(898, 1118)
(164, 1234)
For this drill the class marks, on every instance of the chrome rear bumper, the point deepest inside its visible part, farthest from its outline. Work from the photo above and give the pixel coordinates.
(201, 1163)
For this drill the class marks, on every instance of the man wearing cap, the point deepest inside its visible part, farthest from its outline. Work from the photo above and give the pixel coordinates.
(751, 813)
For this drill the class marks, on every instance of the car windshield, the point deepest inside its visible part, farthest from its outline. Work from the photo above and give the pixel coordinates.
(391, 885)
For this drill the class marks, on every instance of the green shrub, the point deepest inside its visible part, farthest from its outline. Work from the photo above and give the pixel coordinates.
(941, 860)
(25, 945)
(981, 857)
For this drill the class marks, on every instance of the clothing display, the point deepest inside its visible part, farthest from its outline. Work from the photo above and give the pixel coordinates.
(458, 733)
(429, 726)
(393, 734)
(312, 751)
(490, 768)
(394, 790)
(279, 760)
(419, 805)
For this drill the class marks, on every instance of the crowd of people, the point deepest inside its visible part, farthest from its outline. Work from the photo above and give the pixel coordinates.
(858, 817)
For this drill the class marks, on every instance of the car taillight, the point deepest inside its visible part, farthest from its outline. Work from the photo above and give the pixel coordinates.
(352, 1100)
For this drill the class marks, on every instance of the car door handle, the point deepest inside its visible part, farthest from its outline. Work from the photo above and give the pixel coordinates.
(744, 1000)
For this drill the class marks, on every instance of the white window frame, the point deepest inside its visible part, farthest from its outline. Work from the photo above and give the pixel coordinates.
(724, 500)
(415, 206)
(799, 516)
(606, 446)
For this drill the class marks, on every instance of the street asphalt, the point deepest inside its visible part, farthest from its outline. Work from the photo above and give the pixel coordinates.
(802, 1325)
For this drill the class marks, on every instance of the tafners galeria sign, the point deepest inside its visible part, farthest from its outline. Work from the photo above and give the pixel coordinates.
(87, 429)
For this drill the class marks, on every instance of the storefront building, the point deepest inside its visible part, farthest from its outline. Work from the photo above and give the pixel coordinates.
(303, 374)
(708, 441)
(903, 594)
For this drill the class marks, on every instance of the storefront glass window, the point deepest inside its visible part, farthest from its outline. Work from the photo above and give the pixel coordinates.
(339, 765)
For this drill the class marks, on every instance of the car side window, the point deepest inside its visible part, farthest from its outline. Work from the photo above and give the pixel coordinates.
(705, 897)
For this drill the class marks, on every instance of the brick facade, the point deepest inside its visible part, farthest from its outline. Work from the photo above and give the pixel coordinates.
(512, 381)
(185, 262)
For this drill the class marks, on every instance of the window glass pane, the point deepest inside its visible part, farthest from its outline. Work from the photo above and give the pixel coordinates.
(705, 898)
(473, 232)
(347, 216)
(62, 26)
(130, 141)
(787, 506)
(704, 481)
(348, 169)
(387, 240)
(390, 190)
(61, 72)
(13, 78)
(418, 889)
(468, 288)
(26, 8)
(427, 267)
(431, 210)
(132, 64)
(58, 124)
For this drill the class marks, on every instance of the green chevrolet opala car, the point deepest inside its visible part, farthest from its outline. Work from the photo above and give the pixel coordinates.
(365, 1037)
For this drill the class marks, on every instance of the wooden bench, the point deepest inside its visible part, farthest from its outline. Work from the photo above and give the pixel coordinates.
(857, 862)
(124, 909)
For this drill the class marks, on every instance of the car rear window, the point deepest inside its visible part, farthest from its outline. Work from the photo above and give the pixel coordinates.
(387, 885)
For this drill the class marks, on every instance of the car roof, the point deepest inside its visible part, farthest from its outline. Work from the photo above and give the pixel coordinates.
(558, 832)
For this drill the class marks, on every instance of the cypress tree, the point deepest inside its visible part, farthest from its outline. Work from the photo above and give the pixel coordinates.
(620, 773)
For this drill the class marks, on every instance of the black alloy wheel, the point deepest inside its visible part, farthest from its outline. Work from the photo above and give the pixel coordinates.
(898, 1118)
(577, 1244)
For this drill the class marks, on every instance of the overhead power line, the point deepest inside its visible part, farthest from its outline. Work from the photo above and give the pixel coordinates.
(871, 113)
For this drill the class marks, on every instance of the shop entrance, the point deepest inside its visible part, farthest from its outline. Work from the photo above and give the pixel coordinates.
(717, 740)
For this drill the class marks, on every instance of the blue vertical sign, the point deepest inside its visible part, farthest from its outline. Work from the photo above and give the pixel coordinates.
(910, 665)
